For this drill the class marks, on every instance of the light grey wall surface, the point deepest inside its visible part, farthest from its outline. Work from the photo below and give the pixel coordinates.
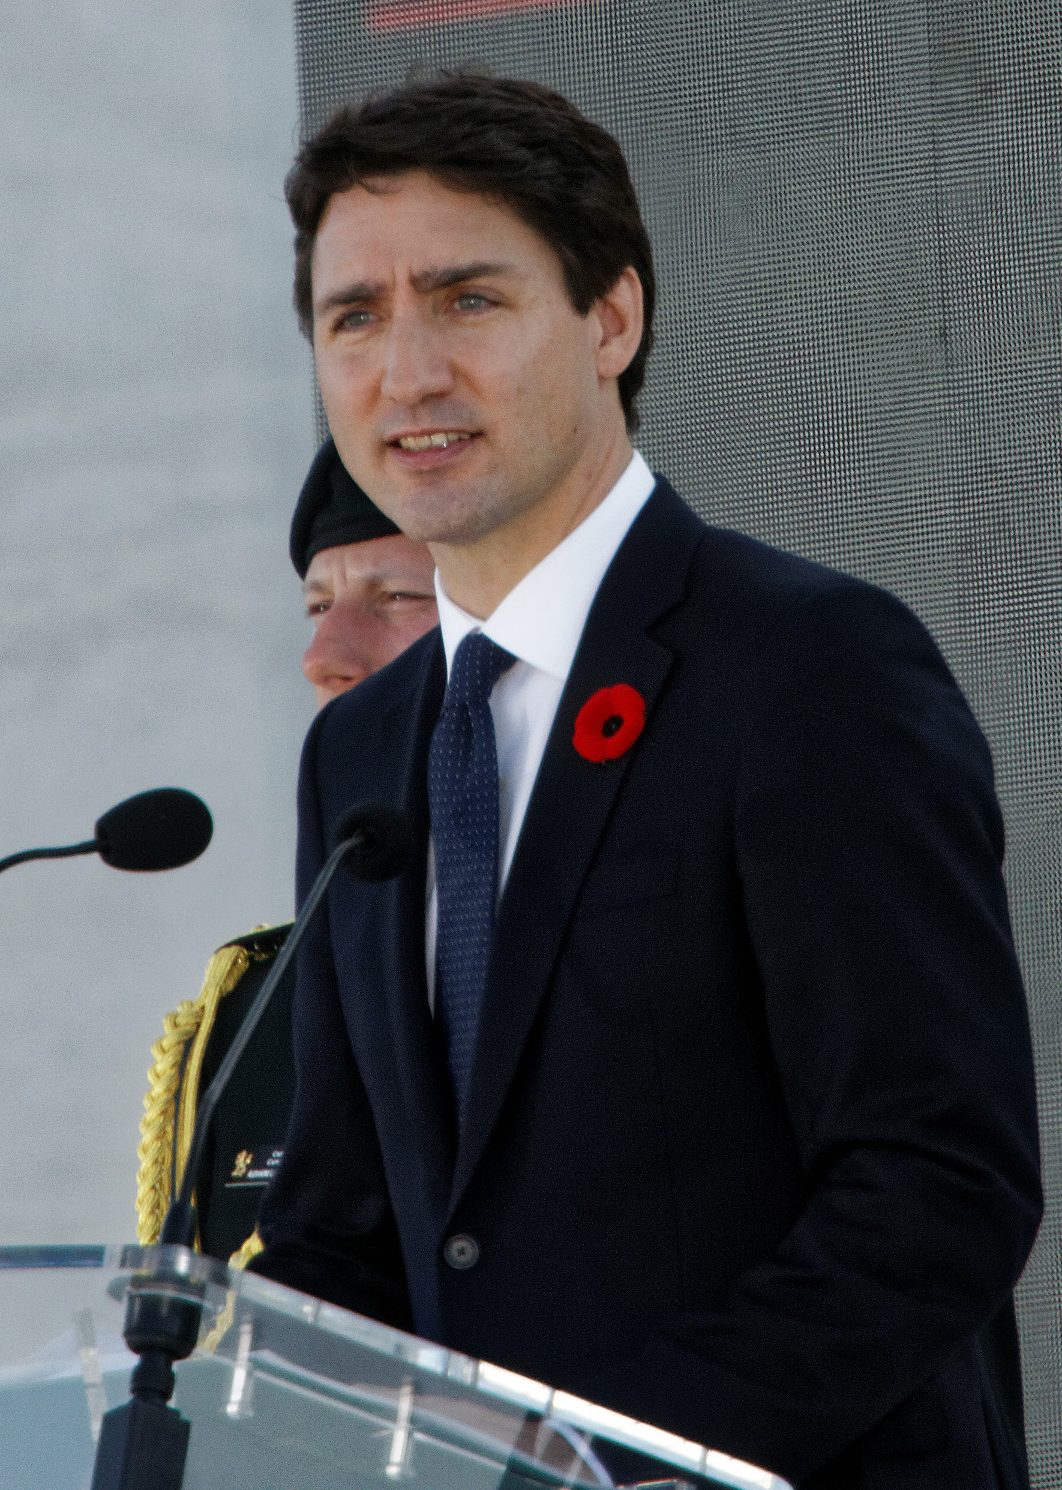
(155, 422)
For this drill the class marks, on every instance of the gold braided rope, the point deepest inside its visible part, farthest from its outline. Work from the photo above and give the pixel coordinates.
(173, 1090)
(251, 1248)
(223, 1323)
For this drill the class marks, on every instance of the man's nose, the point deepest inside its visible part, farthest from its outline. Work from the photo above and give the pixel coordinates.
(333, 662)
(417, 363)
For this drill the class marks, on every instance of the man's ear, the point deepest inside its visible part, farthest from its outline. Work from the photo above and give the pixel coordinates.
(620, 313)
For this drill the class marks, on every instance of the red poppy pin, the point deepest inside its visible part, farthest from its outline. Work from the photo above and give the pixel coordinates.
(609, 723)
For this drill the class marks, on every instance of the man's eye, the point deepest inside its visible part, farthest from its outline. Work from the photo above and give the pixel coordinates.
(317, 608)
(473, 300)
(353, 320)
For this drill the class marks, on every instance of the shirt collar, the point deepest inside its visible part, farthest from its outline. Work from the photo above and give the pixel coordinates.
(541, 619)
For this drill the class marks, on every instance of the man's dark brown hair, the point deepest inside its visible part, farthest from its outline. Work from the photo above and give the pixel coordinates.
(513, 141)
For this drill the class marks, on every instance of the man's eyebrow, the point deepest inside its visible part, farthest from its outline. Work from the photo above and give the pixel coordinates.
(352, 294)
(365, 291)
(457, 274)
(391, 575)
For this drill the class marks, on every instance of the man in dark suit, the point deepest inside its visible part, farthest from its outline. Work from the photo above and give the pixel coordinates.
(687, 1066)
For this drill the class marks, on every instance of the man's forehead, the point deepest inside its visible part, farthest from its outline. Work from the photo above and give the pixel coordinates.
(371, 561)
(414, 223)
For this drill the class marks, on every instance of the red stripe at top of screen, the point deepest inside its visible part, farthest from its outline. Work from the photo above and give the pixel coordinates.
(413, 15)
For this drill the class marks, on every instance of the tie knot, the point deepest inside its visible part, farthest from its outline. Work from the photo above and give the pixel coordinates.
(478, 664)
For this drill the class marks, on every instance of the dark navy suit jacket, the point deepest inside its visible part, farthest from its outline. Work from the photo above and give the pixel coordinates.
(751, 1148)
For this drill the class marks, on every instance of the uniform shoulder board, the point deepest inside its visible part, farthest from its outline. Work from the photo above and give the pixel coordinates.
(262, 941)
(174, 1078)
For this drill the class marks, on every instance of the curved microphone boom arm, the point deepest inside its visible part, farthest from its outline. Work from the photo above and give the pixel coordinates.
(376, 841)
(143, 1444)
(90, 846)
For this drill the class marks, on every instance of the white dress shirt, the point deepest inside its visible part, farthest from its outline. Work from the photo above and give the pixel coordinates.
(540, 622)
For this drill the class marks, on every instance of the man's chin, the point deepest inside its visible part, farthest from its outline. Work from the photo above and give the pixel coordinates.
(446, 518)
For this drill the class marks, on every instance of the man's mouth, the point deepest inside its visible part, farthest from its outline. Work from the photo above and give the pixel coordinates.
(440, 439)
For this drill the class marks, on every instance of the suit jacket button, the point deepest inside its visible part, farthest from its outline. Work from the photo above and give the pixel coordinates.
(461, 1251)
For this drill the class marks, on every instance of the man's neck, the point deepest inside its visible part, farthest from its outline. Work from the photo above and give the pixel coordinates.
(478, 576)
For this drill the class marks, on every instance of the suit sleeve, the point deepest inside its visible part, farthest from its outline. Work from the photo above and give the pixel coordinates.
(326, 1218)
(869, 846)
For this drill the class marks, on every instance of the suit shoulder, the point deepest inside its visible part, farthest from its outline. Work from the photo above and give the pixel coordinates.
(746, 572)
(763, 614)
(768, 574)
(776, 594)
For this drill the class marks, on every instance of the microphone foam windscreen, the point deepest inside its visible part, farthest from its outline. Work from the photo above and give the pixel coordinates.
(382, 841)
(159, 829)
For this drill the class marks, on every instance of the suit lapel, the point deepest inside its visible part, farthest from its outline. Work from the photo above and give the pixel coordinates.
(396, 952)
(572, 801)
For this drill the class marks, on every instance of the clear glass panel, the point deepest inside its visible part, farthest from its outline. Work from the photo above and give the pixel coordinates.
(283, 1391)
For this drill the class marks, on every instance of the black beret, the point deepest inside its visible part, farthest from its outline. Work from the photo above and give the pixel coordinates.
(332, 509)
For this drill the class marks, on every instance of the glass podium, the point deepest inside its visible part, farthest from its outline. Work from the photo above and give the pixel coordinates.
(284, 1392)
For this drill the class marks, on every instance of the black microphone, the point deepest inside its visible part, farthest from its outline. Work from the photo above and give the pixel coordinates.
(379, 841)
(160, 829)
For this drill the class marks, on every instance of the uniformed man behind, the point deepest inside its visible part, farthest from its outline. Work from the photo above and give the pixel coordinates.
(369, 593)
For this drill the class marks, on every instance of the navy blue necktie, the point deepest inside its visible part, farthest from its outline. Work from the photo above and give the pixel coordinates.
(463, 803)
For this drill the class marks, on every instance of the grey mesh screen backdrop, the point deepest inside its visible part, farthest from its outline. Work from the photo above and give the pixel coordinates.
(857, 215)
